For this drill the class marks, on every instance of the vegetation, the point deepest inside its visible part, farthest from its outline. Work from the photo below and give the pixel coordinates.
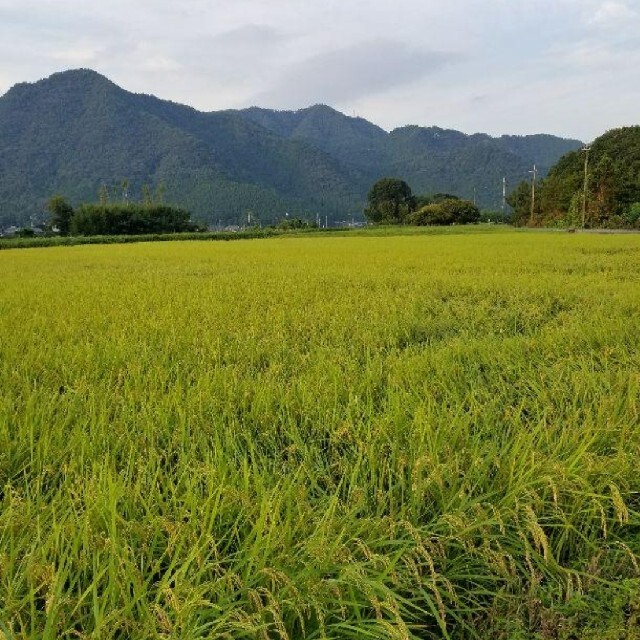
(390, 201)
(427, 436)
(117, 218)
(129, 219)
(251, 233)
(222, 165)
(60, 214)
(295, 223)
(613, 187)
(447, 211)
(430, 158)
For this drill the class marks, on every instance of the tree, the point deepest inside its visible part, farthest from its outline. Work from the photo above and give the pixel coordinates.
(603, 200)
(61, 214)
(390, 201)
(435, 198)
(612, 185)
(520, 201)
(632, 215)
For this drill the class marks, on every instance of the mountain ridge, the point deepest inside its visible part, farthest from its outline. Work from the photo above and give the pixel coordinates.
(77, 130)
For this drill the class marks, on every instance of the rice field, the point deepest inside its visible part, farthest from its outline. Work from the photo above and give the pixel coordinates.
(422, 436)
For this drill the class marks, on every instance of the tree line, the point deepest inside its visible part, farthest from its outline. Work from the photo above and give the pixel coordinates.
(120, 218)
(390, 201)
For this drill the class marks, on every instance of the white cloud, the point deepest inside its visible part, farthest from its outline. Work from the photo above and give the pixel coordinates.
(78, 55)
(612, 14)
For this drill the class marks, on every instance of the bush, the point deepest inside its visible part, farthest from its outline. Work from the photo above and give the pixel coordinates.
(295, 223)
(632, 216)
(451, 211)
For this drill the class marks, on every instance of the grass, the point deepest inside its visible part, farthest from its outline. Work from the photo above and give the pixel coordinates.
(72, 241)
(422, 436)
(245, 234)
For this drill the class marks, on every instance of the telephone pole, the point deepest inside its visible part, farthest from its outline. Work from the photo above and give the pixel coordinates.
(504, 196)
(586, 184)
(533, 193)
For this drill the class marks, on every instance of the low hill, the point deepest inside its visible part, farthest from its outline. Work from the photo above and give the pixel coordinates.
(613, 185)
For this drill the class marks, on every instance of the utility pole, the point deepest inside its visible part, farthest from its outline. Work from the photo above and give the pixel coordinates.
(586, 184)
(474, 196)
(504, 196)
(533, 193)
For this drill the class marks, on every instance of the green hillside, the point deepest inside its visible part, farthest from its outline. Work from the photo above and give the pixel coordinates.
(613, 186)
(76, 131)
(430, 159)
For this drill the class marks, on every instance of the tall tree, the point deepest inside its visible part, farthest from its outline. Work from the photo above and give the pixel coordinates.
(520, 201)
(61, 213)
(390, 201)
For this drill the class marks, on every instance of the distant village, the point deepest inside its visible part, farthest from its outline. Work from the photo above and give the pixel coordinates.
(13, 231)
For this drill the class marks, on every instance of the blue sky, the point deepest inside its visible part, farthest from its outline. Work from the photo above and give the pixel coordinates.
(568, 67)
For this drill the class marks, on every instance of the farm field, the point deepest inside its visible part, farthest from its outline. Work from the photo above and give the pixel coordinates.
(421, 436)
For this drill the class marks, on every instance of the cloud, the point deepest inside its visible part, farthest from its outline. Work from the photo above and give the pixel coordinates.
(342, 75)
(496, 65)
(612, 14)
(78, 55)
(250, 35)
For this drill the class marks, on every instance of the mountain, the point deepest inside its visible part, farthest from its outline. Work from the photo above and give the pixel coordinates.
(76, 131)
(431, 159)
(613, 185)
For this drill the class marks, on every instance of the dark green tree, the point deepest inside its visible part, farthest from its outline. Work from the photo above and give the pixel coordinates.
(433, 198)
(520, 201)
(129, 219)
(390, 201)
(61, 213)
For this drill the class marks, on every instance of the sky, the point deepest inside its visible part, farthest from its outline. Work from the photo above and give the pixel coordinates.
(566, 67)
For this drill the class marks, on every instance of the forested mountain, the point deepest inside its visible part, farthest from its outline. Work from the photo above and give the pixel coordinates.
(76, 131)
(431, 159)
(613, 186)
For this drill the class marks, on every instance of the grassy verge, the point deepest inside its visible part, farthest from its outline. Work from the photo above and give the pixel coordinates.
(57, 241)
(68, 241)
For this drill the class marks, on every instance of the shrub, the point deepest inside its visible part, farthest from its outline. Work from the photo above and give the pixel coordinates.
(632, 216)
(451, 211)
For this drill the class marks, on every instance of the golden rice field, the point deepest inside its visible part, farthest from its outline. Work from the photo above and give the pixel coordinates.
(421, 436)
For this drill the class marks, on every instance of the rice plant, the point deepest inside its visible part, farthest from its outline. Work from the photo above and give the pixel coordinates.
(422, 436)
